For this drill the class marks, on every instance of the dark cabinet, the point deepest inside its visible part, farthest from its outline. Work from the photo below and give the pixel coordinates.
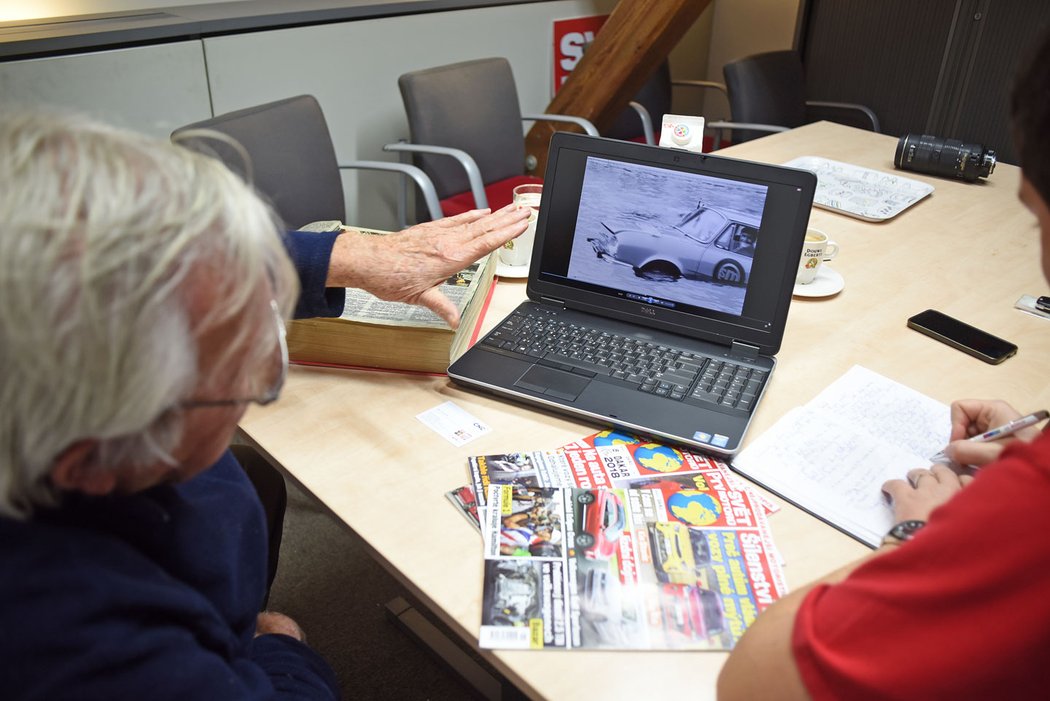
(940, 67)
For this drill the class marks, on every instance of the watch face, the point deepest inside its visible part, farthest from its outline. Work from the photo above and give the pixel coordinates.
(906, 529)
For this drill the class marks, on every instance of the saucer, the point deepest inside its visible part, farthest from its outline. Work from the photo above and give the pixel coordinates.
(827, 282)
(512, 271)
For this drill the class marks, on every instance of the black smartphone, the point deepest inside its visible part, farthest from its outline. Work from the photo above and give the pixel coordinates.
(1043, 304)
(968, 339)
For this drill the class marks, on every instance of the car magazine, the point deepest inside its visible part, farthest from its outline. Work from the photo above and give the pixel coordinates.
(603, 459)
(466, 503)
(677, 562)
(604, 438)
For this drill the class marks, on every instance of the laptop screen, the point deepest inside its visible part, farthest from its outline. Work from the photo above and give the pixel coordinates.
(690, 243)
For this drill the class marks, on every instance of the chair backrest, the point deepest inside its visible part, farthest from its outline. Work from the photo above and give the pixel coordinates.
(471, 106)
(654, 96)
(293, 162)
(767, 88)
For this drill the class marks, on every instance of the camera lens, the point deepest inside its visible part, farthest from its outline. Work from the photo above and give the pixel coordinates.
(947, 158)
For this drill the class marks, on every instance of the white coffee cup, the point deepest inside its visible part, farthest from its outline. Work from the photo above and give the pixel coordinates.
(816, 249)
(518, 252)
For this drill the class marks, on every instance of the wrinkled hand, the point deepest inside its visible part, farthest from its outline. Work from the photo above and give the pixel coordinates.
(972, 417)
(925, 489)
(410, 265)
(269, 622)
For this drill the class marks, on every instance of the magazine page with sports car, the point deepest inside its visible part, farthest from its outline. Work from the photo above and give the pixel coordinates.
(681, 562)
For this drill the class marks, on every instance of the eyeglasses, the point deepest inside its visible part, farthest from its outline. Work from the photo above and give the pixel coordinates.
(275, 388)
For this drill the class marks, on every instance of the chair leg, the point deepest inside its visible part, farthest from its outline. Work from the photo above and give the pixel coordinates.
(269, 485)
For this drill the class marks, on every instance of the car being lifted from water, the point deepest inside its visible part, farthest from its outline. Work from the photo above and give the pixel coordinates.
(707, 244)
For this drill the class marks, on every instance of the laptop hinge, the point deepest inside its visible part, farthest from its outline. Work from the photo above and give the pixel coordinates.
(552, 302)
(743, 351)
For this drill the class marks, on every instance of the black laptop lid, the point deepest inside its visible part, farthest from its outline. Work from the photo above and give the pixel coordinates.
(694, 244)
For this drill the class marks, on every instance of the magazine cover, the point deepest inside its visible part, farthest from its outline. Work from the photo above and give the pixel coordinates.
(652, 458)
(522, 469)
(465, 502)
(683, 562)
(604, 459)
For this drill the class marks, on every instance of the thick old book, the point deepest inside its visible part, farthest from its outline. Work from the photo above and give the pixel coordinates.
(393, 335)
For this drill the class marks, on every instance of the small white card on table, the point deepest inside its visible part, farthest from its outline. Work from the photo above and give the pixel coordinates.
(453, 423)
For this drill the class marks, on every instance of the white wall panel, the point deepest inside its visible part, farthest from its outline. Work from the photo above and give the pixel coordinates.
(352, 69)
(152, 89)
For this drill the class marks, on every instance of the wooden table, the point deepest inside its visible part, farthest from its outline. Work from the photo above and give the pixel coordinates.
(969, 250)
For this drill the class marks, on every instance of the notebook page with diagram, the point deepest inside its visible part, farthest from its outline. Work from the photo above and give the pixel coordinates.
(831, 456)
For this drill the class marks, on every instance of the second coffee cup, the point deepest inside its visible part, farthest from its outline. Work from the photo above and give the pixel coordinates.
(816, 249)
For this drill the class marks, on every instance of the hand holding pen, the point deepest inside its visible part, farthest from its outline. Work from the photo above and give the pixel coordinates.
(972, 419)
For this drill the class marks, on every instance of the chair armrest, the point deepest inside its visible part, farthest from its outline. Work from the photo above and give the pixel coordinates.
(477, 185)
(742, 126)
(772, 128)
(421, 178)
(708, 84)
(647, 121)
(866, 111)
(579, 121)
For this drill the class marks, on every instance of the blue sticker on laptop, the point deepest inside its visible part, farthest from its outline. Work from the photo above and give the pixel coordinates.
(720, 441)
(702, 437)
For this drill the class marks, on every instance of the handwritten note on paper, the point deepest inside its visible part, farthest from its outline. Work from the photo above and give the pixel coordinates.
(831, 456)
(892, 412)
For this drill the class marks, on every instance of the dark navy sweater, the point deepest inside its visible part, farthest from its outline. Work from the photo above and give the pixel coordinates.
(155, 595)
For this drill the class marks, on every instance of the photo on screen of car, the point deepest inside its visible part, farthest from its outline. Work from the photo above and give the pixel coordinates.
(698, 252)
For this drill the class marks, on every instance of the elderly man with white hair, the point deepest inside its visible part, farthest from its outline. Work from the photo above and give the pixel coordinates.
(143, 292)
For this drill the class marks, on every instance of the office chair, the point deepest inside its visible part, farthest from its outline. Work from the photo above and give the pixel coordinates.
(770, 89)
(650, 104)
(465, 127)
(642, 120)
(292, 160)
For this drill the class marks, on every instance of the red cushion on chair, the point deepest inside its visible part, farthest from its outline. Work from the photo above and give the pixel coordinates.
(499, 194)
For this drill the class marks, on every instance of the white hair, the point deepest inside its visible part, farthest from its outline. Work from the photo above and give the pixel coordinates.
(103, 234)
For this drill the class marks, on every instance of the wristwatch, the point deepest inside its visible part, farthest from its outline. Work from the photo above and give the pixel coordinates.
(905, 530)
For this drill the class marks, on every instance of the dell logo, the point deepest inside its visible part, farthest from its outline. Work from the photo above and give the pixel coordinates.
(648, 311)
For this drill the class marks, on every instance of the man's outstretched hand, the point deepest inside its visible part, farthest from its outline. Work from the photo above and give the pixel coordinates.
(410, 265)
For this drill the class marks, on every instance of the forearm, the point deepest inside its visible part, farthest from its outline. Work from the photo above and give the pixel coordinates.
(393, 267)
(295, 670)
(353, 259)
(762, 664)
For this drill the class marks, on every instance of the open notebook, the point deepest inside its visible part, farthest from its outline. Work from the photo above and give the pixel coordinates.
(832, 455)
(658, 291)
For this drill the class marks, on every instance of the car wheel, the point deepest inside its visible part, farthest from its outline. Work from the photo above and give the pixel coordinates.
(659, 271)
(585, 497)
(729, 272)
(584, 540)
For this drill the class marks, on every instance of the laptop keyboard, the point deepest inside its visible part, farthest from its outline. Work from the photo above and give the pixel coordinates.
(650, 367)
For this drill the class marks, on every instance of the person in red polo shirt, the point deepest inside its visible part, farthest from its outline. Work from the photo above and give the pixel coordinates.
(955, 604)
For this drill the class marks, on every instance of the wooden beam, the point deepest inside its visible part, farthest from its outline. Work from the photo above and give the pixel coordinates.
(632, 43)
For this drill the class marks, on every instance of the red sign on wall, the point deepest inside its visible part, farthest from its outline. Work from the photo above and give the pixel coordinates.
(570, 38)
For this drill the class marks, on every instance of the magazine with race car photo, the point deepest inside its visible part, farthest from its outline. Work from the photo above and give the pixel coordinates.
(684, 562)
(466, 503)
(603, 459)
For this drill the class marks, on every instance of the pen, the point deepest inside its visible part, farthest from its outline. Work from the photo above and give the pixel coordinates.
(1007, 429)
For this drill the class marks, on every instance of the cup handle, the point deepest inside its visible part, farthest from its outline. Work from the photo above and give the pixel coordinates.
(831, 250)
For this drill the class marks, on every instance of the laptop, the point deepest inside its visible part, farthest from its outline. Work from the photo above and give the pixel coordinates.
(658, 291)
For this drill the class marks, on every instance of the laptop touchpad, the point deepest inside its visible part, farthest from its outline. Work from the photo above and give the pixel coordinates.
(556, 383)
